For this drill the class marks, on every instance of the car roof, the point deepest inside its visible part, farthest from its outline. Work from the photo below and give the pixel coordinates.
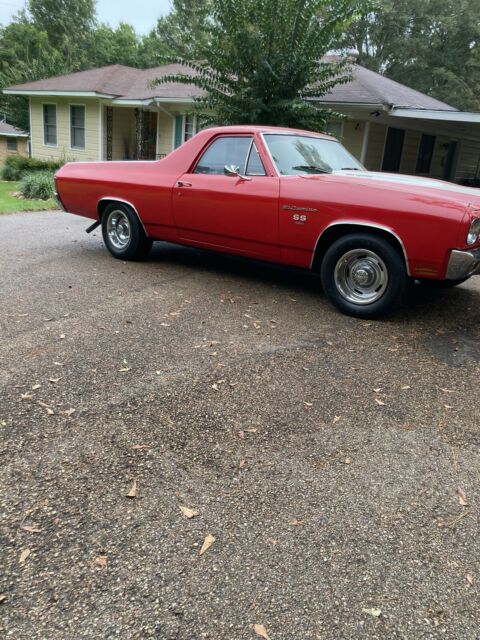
(246, 128)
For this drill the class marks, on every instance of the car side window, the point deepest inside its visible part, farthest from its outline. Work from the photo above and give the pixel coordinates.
(255, 165)
(224, 151)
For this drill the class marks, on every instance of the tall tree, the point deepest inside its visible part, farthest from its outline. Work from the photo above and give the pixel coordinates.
(63, 20)
(260, 60)
(432, 46)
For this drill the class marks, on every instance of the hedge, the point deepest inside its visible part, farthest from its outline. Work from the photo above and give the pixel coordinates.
(17, 166)
(37, 185)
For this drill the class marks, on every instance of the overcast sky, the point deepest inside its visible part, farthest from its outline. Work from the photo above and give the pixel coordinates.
(142, 14)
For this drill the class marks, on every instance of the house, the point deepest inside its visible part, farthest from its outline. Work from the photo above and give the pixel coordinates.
(13, 142)
(114, 113)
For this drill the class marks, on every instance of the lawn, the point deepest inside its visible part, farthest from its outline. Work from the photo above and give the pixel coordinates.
(9, 204)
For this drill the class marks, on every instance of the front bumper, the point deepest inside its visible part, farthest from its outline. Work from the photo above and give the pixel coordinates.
(463, 264)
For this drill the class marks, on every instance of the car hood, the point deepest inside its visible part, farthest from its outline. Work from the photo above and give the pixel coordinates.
(415, 183)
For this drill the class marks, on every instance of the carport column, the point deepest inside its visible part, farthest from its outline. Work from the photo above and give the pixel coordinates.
(366, 136)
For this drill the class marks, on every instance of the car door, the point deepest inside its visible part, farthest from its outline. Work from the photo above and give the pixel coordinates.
(235, 213)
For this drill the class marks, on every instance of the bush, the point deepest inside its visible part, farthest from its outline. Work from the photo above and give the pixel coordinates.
(38, 185)
(17, 166)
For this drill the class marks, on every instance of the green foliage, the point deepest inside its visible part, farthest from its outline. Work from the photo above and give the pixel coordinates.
(261, 60)
(430, 45)
(16, 167)
(38, 185)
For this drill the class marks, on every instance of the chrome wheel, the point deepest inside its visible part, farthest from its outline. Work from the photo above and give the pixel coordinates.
(119, 229)
(361, 276)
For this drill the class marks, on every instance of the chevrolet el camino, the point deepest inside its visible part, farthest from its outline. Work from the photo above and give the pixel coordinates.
(287, 196)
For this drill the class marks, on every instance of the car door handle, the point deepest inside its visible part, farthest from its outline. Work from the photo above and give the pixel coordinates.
(181, 183)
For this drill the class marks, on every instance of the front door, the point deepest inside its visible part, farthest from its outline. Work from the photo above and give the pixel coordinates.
(215, 210)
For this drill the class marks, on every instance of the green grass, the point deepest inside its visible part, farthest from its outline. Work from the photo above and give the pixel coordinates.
(9, 204)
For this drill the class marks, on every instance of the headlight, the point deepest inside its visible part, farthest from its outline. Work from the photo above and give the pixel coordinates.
(474, 233)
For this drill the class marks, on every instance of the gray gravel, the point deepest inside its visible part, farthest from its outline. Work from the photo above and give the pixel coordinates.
(324, 454)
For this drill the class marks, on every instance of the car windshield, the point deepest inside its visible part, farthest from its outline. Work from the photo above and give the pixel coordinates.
(304, 155)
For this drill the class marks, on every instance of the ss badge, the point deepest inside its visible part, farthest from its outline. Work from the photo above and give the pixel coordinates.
(299, 219)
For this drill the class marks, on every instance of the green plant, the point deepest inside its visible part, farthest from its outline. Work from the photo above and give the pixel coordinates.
(17, 166)
(263, 61)
(38, 185)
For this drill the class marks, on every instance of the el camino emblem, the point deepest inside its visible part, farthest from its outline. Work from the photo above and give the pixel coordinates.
(299, 218)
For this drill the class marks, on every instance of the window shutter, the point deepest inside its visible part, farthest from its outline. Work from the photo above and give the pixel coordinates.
(178, 130)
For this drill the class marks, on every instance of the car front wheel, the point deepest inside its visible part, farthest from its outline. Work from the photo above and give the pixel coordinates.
(123, 234)
(364, 276)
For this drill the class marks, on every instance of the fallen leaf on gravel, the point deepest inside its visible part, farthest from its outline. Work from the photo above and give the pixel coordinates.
(125, 369)
(30, 529)
(261, 631)
(336, 419)
(59, 364)
(133, 490)
(54, 380)
(405, 387)
(242, 464)
(188, 513)
(470, 579)
(348, 461)
(36, 386)
(448, 406)
(26, 396)
(62, 336)
(462, 498)
(251, 430)
(48, 409)
(377, 390)
(447, 390)
(296, 523)
(308, 404)
(376, 613)
(101, 561)
(135, 447)
(380, 402)
(3, 597)
(24, 555)
(207, 543)
(69, 412)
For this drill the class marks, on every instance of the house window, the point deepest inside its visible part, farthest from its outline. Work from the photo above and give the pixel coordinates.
(190, 127)
(50, 124)
(11, 144)
(393, 150)
(425, 154)
(77, 127)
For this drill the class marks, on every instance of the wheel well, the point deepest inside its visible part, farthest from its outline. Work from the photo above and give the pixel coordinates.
(103, 204)
(333, 233)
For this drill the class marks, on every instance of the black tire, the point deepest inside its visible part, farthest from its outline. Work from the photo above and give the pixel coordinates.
(442, 284)
(364, 276)
(123, 234)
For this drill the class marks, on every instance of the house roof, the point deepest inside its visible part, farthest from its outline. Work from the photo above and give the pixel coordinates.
(121, 83)
(10, 131)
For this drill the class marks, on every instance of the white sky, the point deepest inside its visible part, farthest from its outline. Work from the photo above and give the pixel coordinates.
(142, 14)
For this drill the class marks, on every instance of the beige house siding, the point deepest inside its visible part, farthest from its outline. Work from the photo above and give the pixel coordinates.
(376, 145)
(468, 167)
(353, 132)
(22, 148)
(166, 125)
(411, 146)
(62, 150)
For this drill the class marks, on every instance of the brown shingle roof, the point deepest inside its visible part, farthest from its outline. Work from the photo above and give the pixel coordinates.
(10, 130)
(128, 83)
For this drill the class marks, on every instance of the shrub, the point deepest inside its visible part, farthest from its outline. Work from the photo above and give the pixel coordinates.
(17, 166)
(38, 185)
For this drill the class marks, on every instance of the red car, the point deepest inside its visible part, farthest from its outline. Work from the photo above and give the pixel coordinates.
(291, 197)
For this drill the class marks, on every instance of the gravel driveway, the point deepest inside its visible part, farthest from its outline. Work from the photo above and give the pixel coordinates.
(335, 462)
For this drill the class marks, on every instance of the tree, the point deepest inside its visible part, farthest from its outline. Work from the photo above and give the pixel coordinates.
(63, 20)
(261, 61)
(432, 46)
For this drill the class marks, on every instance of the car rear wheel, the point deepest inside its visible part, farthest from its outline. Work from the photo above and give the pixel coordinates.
(364, 276)
(123, 234)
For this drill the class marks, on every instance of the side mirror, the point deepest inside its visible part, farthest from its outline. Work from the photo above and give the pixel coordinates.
(232, 171)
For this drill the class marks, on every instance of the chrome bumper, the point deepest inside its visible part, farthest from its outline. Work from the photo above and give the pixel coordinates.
(58, 201)
(463, 264)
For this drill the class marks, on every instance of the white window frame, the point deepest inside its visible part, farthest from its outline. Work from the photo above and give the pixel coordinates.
(11, 139)
(342, 128)
(76, 104)
(184, 126)
(50, 104)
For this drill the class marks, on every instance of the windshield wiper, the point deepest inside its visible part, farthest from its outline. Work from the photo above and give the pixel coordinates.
(310, 167)
(349, 169)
